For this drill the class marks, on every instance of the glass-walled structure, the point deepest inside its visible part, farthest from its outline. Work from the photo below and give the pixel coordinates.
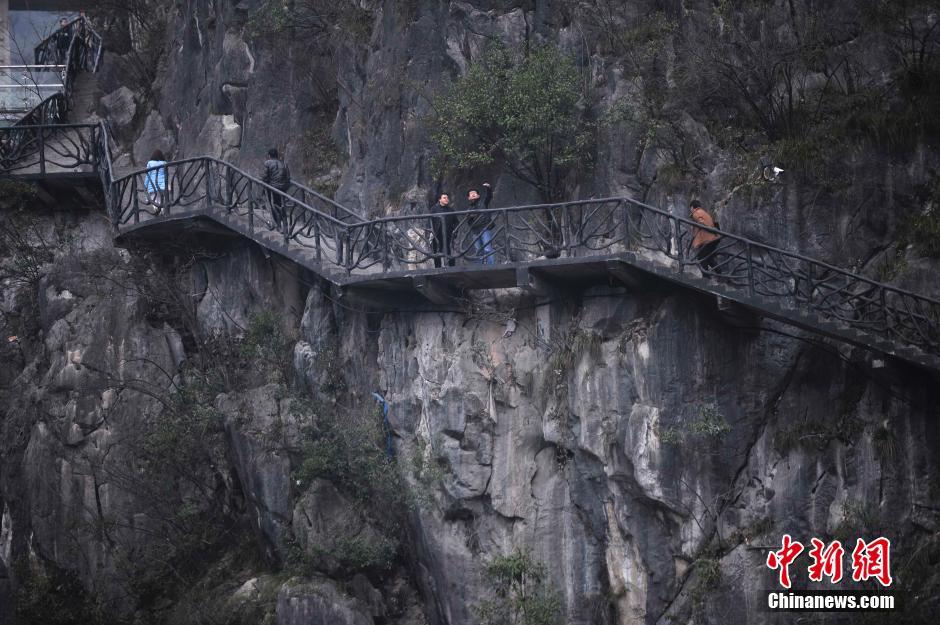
(23, 84)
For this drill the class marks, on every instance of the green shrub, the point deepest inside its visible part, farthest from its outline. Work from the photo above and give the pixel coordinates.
(923, 231)
(269, 20)
(711, 423)
(15, 195)
(523, 593)
(346, 557)
(265, 349)
(525, 111)
(53, 597)
(310, 19)
(709, 578)
(185, 434)
(349, 449)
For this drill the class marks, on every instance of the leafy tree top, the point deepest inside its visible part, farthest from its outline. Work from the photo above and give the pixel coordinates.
(525, 111)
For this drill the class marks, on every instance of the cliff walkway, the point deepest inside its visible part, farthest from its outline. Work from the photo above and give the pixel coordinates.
(543, 248)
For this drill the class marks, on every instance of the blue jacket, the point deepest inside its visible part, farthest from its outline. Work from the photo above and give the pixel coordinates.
(156, 179)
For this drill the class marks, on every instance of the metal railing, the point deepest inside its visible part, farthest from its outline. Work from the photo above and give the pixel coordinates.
(45, 149)
(342, 242)
(299, 215)
(58, 46)
(339, 240)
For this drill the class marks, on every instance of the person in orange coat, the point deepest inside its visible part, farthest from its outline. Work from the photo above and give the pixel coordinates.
(703, 241)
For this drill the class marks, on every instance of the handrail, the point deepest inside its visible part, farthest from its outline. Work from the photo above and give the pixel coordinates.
(50, 68)
(31, 86)
(47, 47)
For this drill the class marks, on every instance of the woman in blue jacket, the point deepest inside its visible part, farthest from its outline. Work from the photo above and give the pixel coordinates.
(156, 180)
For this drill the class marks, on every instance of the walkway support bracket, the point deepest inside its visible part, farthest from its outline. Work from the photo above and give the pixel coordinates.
(629, 277)
(436, 292)
(530, 281)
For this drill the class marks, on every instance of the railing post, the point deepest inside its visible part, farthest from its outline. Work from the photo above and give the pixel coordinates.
(565, 230)
(812, 285)
(136, 199)
(626, 224)
(884, 308)
(42, 152)
(316, 237)
(229, 192)
(285, 220)
(445, 244)
(251, 208)
(676, 236)
(506, 240)
(387, 248)
(750, 269)
(115, 213)
(208, 165)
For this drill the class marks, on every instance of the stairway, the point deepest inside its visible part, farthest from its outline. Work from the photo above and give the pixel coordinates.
(786, 312)
(85, 97)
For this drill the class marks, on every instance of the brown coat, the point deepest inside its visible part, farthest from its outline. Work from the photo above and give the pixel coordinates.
(701, 237)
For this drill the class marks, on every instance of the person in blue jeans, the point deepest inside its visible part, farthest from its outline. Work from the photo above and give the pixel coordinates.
(481, 224)
(155, 181)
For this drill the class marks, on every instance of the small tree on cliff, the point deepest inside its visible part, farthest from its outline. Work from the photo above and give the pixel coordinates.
(526, 111)
(523, 594)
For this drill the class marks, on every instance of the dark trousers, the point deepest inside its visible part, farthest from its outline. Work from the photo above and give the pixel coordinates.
(277, 209)
(441, 251)
(706, 257)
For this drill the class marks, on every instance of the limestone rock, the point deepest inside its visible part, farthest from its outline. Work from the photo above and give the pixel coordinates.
(318, 601)
(120, 108)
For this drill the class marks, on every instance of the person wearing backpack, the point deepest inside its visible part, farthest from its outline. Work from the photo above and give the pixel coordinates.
(704, 243)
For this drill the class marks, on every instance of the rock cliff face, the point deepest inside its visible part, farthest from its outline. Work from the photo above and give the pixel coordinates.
(170, 415)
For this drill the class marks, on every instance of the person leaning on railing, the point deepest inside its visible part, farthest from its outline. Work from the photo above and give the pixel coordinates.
(703, 241)
(443, 235)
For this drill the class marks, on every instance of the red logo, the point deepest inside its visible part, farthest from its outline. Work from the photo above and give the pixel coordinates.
(783, 558)
(826, 561)
(872, 560)
(869, 560)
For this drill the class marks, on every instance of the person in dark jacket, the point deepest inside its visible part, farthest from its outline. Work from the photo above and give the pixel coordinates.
(704, 242)
(443, 241)
(276, 174)
(63, 37)
(480, 224)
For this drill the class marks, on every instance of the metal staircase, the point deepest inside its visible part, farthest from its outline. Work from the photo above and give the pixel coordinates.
(542, 249)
